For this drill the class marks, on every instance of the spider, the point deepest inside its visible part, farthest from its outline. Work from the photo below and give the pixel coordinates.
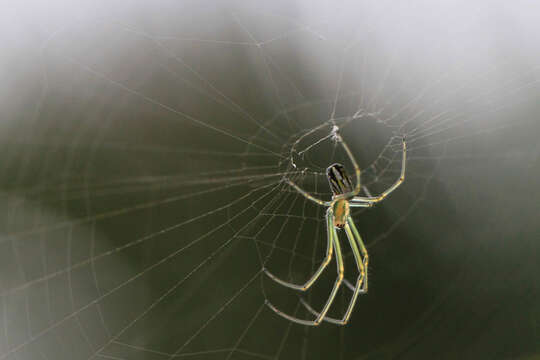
(337, 218)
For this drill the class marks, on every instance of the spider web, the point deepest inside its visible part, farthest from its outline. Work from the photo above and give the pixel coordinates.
(145, 155)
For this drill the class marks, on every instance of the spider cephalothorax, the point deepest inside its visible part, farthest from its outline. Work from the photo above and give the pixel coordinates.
(338, 215)
(341, 212)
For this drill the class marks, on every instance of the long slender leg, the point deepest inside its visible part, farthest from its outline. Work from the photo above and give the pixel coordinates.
(354, 238)
(361, 263)
(306, 194)
(326, 261)
(326, 307)
(356, 170)
(346, 195)
(363, 250)
(375, 199)
(360, 204)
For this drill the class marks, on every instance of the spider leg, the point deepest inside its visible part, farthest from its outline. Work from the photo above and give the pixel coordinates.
(360, 204)
(341, 196)
(337, 284)
(356, 170)
(361, 258)
(375, 199)
(326, 261)
(363, 251)
(362, 261)
(306, 194)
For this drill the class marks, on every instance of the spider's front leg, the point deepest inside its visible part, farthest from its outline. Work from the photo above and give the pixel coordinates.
(384, 194)
(342, 187)
(306, 194)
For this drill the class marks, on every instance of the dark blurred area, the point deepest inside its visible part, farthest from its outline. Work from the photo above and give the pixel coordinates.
(142, 147)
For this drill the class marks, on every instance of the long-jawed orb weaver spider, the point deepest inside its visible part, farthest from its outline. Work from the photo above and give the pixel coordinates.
(338, 217)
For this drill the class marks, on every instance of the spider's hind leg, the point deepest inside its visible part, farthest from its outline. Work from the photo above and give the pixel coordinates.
(326, 261)
(332, 239)
(361, 258)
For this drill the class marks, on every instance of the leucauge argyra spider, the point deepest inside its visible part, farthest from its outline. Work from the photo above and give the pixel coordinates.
(338, 217)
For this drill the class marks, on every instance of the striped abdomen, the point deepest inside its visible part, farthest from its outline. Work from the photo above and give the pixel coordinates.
(340, 183)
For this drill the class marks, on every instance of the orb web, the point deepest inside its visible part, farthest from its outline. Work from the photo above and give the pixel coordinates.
(143, 186)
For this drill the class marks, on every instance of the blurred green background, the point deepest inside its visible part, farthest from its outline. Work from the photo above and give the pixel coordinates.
(142, 148)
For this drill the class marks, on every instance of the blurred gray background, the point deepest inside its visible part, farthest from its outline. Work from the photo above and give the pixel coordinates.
(142, 148)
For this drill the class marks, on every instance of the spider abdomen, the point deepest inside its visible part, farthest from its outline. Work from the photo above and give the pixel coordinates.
(339, 180)
(341, 213)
